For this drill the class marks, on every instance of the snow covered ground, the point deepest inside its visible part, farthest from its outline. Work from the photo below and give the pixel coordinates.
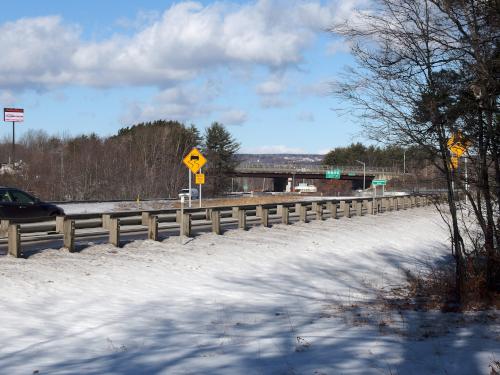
(295, 299)
(99, 207)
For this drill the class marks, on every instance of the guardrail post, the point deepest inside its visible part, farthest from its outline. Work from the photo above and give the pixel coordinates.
(215, 218)
(264, 215)
(317, 207)
(153, 227)
(398, 203)
(258, 211)
(14, 240)
(333, 210)
(208, 214)
(4, 227)
(302, 212)
(347, 208)
(359, 208)
(69, 235)
(235, 212)
(59, 224)
(114, 231)
(285, 214)
(369, 208)
(242, 218)
(106, 221)
(405, 202)
(186, 225)
(413, 202)
(342, 208)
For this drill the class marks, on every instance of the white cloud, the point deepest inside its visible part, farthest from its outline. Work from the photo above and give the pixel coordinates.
(338, 46)
(271, 87)
(322, 88)
(175, 103)
(233, 117)
(271, 91)
(186, 40)
(7, 98)
(276, 149)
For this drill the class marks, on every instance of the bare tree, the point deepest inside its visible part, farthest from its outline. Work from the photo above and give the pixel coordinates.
(416, 61)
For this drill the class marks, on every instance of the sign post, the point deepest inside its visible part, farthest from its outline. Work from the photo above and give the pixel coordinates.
(13, 115)
(194, 161)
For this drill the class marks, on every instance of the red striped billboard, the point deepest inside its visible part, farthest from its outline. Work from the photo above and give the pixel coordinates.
(13, 115)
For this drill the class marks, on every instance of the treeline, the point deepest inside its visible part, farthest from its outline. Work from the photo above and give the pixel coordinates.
(144, 160)
(413, 158)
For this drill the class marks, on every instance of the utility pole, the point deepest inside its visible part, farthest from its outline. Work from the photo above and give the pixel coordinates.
(364, 173)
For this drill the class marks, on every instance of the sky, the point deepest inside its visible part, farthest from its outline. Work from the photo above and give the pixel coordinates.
(263, 68)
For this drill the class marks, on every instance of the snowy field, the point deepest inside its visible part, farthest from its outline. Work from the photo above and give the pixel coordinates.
(99, 207)
(298, 299)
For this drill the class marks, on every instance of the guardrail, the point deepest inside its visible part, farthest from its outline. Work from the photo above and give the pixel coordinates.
(69, 228)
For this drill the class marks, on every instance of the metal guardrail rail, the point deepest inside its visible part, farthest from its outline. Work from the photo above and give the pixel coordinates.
(69, 228)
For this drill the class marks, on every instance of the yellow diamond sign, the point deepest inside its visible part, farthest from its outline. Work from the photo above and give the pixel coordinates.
(458, 149)
(194, 160)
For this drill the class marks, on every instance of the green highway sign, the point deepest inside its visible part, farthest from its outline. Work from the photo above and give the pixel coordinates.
(335, 174)
(379, 182)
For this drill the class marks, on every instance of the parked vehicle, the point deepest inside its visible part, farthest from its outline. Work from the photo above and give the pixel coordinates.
(17, 204)
(194, 193)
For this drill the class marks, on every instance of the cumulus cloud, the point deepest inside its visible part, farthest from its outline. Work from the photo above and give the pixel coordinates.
(233, 117)
(175, 103)
(187, 39)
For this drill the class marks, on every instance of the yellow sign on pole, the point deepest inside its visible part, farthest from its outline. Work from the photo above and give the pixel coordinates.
(458, 144)
(458, 149)
(199, 178)
(194, 160)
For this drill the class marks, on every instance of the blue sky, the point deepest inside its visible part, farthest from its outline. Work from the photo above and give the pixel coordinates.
(262, 68)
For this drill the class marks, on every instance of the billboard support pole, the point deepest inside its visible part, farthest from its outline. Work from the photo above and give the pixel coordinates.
(13, 143)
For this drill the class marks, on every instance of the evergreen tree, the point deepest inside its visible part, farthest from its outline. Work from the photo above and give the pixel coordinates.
(220, 150)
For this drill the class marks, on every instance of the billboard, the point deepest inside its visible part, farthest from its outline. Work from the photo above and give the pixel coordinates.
(13, 115)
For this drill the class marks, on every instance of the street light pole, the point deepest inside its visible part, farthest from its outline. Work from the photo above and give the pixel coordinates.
(364, 174)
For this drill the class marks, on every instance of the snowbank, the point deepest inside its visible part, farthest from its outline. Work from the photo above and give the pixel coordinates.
(280, 300)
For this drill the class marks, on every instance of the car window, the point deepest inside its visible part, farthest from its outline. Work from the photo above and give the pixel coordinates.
(4, 196)
(20, 197)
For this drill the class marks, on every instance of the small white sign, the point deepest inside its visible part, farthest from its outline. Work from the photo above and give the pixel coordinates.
(13, 114)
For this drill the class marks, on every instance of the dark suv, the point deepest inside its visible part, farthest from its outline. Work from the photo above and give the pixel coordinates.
(17, 204)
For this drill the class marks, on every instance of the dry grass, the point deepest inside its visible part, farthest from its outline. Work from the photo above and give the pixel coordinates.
(434, 288)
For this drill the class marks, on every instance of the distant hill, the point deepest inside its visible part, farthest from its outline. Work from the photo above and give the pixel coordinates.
(281, 158)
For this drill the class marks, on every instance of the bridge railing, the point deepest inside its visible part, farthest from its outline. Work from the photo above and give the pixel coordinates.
(295, 168)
